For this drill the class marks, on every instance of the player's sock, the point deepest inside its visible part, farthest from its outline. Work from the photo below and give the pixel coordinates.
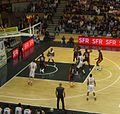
(100, 68)
(97, 67)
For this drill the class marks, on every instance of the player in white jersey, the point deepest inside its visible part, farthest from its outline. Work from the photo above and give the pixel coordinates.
(32, 67)
(79, 64)
(27, 110)
(18, 109)
(90, 84)
(51, 55)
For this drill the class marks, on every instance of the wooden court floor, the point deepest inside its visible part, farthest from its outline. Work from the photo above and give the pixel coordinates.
(42, 93)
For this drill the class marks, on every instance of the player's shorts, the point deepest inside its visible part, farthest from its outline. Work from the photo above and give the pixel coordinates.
(51, 57)
(80, 65)
(86, 59)
(90, 88)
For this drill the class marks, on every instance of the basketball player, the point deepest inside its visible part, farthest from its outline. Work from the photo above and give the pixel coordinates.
(42, 63)
(51, 55)
(32, 67)
(90, 84)
(18, 109)
(72, 74)
(75, 54)
(86, 55)
(99, 60)
(76, 51)
(27, 110)
(79, 64)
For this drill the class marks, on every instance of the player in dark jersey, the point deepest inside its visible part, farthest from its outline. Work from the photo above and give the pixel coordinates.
(72, 72)
(76, 50)
(86, 55)
(99, 60)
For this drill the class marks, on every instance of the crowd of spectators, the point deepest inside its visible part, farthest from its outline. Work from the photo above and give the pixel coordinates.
(40, 11)
(21, 109)
(24, 23)
(91, 7)
(7, 108)
(82, 17)
(46, 6)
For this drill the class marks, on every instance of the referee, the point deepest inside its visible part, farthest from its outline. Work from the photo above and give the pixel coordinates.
(60, 94)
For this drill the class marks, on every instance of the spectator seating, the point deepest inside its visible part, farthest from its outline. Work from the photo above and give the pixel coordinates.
(37, 109)
(81, 17)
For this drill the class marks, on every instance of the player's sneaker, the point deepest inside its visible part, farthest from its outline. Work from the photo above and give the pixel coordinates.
(95, 98)
(87, 99)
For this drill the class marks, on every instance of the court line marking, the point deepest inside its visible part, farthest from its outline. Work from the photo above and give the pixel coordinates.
(18, 73)
(24, 69)
(14, 76)
(89, 74)
(108, 85)
(75, 96)
(49, 73)
(110, 75)
(119, 105)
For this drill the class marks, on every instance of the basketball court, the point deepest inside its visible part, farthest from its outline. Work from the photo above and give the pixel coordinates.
(42, 92)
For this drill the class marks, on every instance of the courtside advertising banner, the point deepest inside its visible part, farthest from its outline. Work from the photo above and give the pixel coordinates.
(111, 42)
(25, 46)
(3, 56)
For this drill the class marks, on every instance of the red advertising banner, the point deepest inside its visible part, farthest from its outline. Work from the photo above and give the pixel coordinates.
(15, 53)
(25, 46)
(25, 56)
(112, 42)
